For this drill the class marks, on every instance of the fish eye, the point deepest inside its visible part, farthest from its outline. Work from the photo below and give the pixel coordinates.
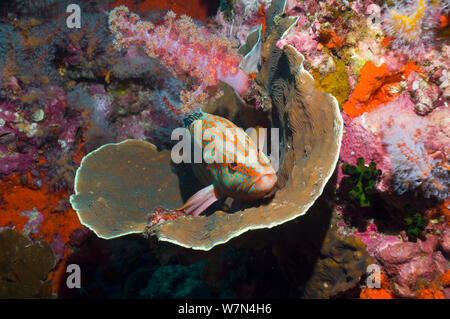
(233, 165)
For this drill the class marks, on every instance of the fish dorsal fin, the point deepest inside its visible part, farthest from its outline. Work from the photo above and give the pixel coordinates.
(258, 136)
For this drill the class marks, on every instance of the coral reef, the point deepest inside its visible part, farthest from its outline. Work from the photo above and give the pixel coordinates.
(335, 83)
(384, 292)
(29, 123)
(358, 142)
(411, 267)
(91, 201)
(332, 265)
(340, 269)
(376, 86)
(197, 9)
(238, 18)
(39, 213)
(425, 95)
(71, 98)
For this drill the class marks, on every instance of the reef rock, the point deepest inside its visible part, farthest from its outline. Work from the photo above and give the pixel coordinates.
(407, 263)
(24, 266)
(340, 268)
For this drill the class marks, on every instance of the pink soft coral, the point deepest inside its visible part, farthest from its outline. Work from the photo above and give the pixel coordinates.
(185, 49)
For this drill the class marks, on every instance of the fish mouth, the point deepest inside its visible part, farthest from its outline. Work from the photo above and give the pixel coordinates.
(263, 186)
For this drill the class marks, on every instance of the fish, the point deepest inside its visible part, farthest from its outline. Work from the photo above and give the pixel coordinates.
(232, 167)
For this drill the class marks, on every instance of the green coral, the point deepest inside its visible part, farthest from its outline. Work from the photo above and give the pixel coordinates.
(362, 179)
(414, 223)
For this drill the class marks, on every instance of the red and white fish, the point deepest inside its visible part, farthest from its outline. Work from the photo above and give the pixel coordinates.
(232, 167)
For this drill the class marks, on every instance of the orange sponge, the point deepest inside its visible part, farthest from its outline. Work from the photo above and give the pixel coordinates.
(374, 87)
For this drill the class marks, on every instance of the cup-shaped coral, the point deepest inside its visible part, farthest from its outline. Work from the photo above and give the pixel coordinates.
(362, 179)
(415, 223)
(310, 127)
(117, 186)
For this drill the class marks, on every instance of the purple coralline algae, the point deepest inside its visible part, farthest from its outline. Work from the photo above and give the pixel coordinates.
(27, 124)
(407, 263)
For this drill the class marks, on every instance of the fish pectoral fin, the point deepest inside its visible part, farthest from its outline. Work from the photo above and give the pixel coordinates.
(200, 201)
(228, 202)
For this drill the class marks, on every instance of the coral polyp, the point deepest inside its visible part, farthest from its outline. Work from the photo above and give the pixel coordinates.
(412, 24)
(409, 26)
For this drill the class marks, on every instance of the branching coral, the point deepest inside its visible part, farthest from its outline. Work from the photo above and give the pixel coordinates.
(185, 49)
